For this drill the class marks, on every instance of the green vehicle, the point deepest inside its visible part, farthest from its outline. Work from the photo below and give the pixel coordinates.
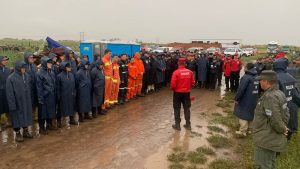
(285, 49)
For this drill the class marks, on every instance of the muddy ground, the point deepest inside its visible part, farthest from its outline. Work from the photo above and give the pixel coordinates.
(137, 135)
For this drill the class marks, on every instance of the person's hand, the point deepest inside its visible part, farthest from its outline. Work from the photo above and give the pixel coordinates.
(235, 102)
(286, 131)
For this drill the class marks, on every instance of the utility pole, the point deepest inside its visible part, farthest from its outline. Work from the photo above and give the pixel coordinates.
(81, 34)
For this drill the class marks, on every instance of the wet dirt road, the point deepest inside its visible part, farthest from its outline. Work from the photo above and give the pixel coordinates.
(137, 135)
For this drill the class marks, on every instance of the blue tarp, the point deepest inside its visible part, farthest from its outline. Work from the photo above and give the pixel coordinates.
(54, 44)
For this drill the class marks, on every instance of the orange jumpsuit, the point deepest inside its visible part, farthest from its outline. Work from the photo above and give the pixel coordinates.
(132, 74)
(140, 71)
(115, 84)
(108, 73)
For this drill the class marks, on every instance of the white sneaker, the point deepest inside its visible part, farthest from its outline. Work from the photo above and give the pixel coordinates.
(4, 136)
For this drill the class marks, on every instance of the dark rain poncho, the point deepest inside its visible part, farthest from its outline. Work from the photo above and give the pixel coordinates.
(18, 92)
(84, 88)
(98, 84)
(66, 91)
(46, 89)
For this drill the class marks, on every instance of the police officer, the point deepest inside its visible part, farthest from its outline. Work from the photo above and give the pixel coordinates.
(287, 85)
(270, 122)
(123, 71)
(181, 83)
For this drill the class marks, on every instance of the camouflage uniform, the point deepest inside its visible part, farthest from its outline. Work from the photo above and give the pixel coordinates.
(270, 121)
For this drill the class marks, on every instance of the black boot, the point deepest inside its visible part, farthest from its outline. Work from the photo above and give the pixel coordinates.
(101, 112)
(59, 123)
(53, 124)
(26, 134)
(176, 127)
(187, 126)
(43, 130)
(81, 119)
(19, 137)
(88, 116)
(73, 121)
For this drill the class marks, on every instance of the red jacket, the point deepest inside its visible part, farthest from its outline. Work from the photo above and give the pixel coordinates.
(227, 67)
(182, 80)
(236, 65)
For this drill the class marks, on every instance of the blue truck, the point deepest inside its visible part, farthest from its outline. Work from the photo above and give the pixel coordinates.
(91, 48)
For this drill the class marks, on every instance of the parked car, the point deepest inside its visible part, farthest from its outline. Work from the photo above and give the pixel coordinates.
(240, 52)
(193, 49)
(213, 50)
(161, 50)
(250, 50)
(176, 49)
(285, 49)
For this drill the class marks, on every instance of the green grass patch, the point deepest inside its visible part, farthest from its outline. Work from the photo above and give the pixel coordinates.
(230, 121)
(290, 159)
(216, 114)
(229, 96)
(215, 129)
(223, 104)
(196, 157)
(218, 141)
(222, 164)
(176, 166)
(177, 157)
(192, 167)
(206, 150)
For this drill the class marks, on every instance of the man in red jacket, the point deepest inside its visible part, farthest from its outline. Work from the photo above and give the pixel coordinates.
(236, 66)
(181, 83)
(227, 71)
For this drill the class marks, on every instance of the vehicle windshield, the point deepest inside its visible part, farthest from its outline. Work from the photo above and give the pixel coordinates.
(272, 46)
(230, 50)
(211, 49)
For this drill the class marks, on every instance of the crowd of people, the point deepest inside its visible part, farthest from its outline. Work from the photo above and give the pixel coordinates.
(266, 104)
(64, 85)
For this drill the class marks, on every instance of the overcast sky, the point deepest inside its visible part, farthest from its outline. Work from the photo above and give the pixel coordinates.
(253, 21)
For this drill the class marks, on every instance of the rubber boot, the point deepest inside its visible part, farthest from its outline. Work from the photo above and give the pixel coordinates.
(53, 125)
(4, 136)
(67, 122)
(81, 117)
(176, 127)
(19, 137)
(27, 133)
(37, 129)
(187, 126)
(88, 116)
(73, 121)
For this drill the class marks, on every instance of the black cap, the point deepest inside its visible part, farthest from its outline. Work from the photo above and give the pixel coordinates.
(2, 58)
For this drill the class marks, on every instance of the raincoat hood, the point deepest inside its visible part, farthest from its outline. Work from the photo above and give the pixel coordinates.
(52, 55)
(19, 65)
(251, 71)
(27, 55)
(44, 61)
(280, 65)
(83, 63)
(64, 64)
(98, 63)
